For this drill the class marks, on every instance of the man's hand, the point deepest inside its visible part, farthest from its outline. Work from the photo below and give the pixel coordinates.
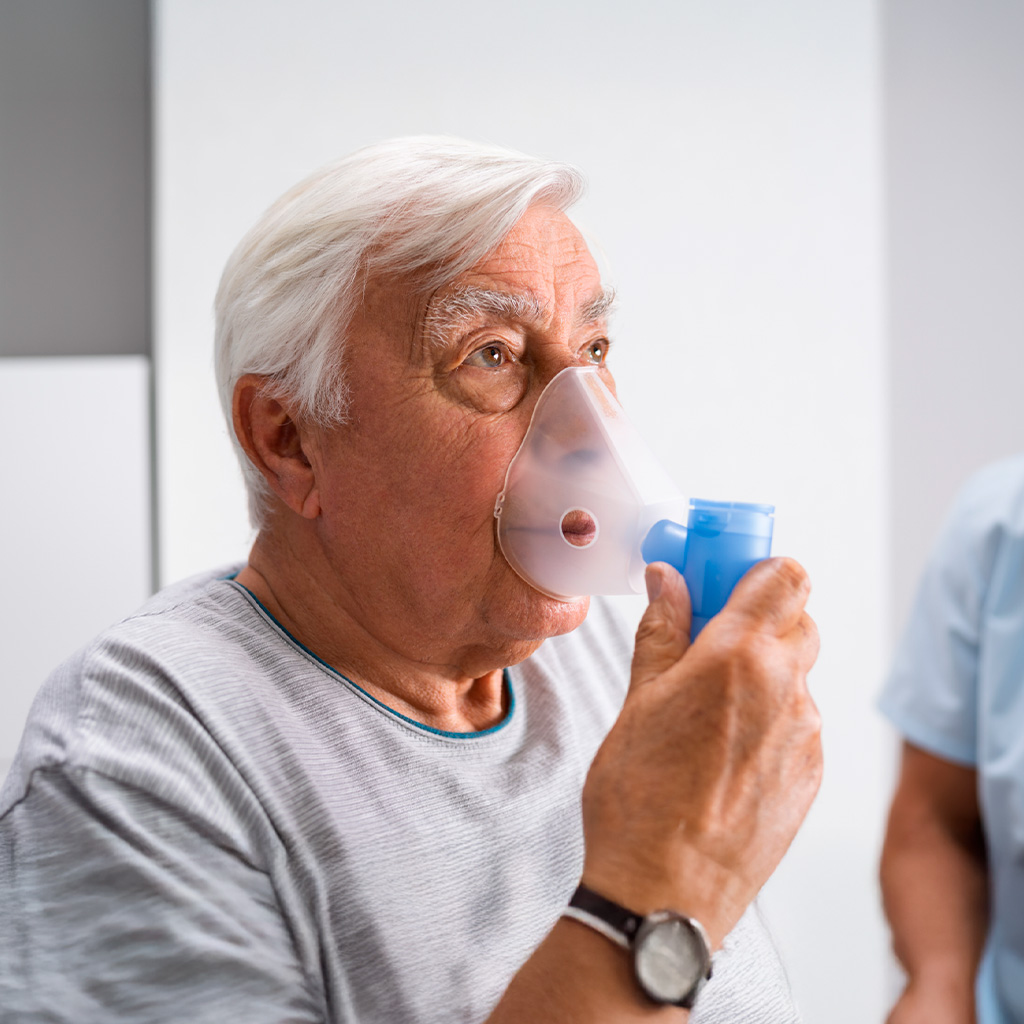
(705, 778)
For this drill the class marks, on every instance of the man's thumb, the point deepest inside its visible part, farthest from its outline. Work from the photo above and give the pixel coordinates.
(663, 635)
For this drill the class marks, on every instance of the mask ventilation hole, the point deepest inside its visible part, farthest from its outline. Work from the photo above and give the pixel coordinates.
(579, 528)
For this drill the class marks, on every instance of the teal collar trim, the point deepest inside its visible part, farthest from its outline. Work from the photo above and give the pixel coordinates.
(506, 679)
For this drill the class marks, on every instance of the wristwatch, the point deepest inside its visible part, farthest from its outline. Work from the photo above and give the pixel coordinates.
(671, 952)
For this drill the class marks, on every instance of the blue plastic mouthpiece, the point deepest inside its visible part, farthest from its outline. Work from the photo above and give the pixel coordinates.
(721, 541)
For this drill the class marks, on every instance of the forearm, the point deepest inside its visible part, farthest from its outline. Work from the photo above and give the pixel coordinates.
(935, 893)
(689, 805)
(577, 976)
(580, 975)
(935, 882)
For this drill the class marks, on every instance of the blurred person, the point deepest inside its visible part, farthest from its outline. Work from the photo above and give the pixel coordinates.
(363, 776)
(952, 867)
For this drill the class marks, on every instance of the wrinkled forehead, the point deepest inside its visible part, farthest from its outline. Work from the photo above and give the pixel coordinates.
(540, 275)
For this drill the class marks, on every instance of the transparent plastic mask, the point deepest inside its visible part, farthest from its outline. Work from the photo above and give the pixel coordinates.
(581, 493)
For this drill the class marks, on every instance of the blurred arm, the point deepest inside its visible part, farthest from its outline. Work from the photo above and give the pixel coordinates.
(935, 887)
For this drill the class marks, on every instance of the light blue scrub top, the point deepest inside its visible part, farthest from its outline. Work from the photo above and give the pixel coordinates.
(957, 691)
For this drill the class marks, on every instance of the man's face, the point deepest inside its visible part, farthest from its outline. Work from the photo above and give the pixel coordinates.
(443, 387)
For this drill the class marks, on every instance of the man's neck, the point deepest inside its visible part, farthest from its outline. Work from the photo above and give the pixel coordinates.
(463, 692)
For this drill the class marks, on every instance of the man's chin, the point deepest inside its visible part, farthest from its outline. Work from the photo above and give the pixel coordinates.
(539, 616)
(567, 615)
(517, 624)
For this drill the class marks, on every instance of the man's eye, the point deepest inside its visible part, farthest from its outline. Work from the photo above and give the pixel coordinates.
(597, 351)
(490, 357)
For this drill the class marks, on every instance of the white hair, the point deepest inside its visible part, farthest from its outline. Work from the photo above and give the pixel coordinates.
(432, 206)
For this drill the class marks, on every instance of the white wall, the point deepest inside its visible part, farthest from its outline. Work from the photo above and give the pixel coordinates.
(734, 156)
(74, 518)
(954, 140)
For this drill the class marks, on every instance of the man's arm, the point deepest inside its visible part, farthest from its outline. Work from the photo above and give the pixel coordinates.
(697, 791)
(935, 888)
(116, 905)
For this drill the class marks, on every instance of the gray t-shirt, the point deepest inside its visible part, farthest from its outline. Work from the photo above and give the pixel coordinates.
(206, 823)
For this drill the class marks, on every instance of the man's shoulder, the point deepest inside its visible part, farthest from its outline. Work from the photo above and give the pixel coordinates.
(184, 591)
(993, 498)
(130, 684)
(983, 542)
(184, 621)
(982, 527)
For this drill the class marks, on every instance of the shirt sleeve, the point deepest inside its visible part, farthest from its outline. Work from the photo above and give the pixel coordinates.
(931, 693)
(116, 906)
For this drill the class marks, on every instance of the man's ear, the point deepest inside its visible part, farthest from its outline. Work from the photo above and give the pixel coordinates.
(274, 443)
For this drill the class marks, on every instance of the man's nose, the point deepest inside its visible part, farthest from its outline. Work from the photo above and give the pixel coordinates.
(549, 365)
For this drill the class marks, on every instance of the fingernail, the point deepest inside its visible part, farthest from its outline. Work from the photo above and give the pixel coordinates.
(653, 579)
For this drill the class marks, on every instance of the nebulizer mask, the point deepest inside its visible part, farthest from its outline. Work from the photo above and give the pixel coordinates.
(586, 506)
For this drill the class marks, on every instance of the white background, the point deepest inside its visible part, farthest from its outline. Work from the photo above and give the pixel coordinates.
(74, 514)
(954, 157)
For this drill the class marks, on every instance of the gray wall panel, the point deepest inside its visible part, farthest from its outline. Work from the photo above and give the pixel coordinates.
(74, 177)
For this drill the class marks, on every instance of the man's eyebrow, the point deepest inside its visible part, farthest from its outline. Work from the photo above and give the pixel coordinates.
(470, 303)
(598, 309)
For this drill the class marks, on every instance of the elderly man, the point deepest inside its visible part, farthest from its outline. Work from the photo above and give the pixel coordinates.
(361, 777)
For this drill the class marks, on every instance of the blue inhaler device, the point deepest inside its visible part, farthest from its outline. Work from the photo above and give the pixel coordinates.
(720, 542)
(586, 506)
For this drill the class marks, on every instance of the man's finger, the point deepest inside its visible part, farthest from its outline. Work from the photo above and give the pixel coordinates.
(811, 642)
(663, 635)
(774, 592)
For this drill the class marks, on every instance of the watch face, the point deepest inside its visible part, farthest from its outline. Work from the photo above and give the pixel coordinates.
(669, 958)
